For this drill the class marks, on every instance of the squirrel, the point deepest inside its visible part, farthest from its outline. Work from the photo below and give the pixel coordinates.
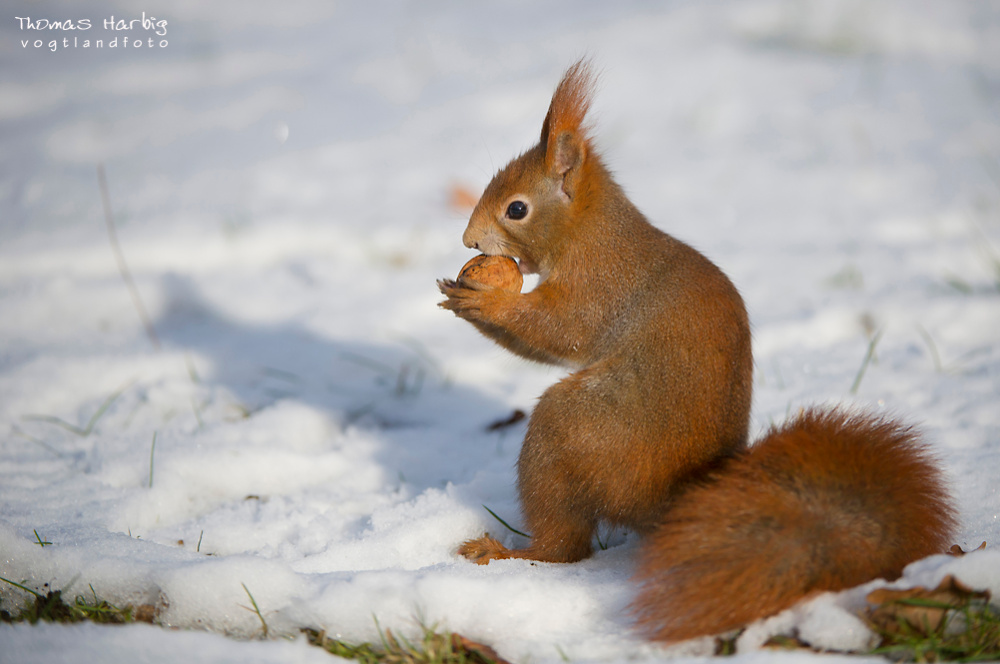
(650, 430)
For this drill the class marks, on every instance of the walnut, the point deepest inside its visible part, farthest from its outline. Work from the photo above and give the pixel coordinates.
(496, 271)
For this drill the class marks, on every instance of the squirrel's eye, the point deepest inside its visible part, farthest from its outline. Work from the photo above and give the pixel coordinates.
(517, 210)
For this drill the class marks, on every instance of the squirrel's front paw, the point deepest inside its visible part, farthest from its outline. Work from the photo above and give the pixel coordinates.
(483, 549)
(464, 299)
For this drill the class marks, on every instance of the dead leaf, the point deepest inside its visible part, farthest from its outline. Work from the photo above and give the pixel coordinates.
(920, 610)
(481, 652)
(145, 613)
(513, 419)
(461, 198)
(783, 642)
(956, 550)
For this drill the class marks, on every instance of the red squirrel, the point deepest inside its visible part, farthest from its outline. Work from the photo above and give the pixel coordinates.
(650, 430)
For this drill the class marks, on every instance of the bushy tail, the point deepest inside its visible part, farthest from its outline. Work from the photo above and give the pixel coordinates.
(826, 502)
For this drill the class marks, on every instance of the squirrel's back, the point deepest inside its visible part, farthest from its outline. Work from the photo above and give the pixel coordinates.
(828, 501)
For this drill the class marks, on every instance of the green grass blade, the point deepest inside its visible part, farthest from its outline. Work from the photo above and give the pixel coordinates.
(864, 364)
(24, 588)
(505, 524)
(256, 608)
(152, 449)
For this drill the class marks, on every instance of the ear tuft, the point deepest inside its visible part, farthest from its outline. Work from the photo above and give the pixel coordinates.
(564, 121)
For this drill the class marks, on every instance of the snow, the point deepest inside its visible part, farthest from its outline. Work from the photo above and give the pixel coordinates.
(146, 644)
(280, 177)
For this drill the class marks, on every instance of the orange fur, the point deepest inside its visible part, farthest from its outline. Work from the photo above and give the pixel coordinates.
(568, 108)
(829, 501)
(659, 399)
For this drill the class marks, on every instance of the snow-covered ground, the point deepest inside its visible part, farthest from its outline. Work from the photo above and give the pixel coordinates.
(281, 178)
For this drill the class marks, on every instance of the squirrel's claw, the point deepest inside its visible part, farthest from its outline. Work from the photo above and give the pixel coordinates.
(464, 298)
(483, 549)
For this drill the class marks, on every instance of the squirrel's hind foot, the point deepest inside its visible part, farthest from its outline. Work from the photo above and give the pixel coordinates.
(483, 549)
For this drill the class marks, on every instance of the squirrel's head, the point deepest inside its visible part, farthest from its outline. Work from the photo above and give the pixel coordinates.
(529, 208)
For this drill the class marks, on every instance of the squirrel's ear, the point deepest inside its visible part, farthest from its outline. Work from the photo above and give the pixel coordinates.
(563, 134)
(564, 157)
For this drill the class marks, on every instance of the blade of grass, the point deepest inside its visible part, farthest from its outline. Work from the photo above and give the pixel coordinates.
(58, 421)
(505, 524)
(197, 414)
(152, 449)
(421, 351)
(192, 371)
(376, 366)
(864, 364)
(932, 347)
(109, 219)
(24, 588)
(87, 430)
(287, 376)
(16, 430)
(256, 608)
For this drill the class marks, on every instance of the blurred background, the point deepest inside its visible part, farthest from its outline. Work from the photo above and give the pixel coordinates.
(365, 113)
(313, 163)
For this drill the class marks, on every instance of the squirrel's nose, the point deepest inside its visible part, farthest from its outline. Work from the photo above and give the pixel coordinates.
(470, 239)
